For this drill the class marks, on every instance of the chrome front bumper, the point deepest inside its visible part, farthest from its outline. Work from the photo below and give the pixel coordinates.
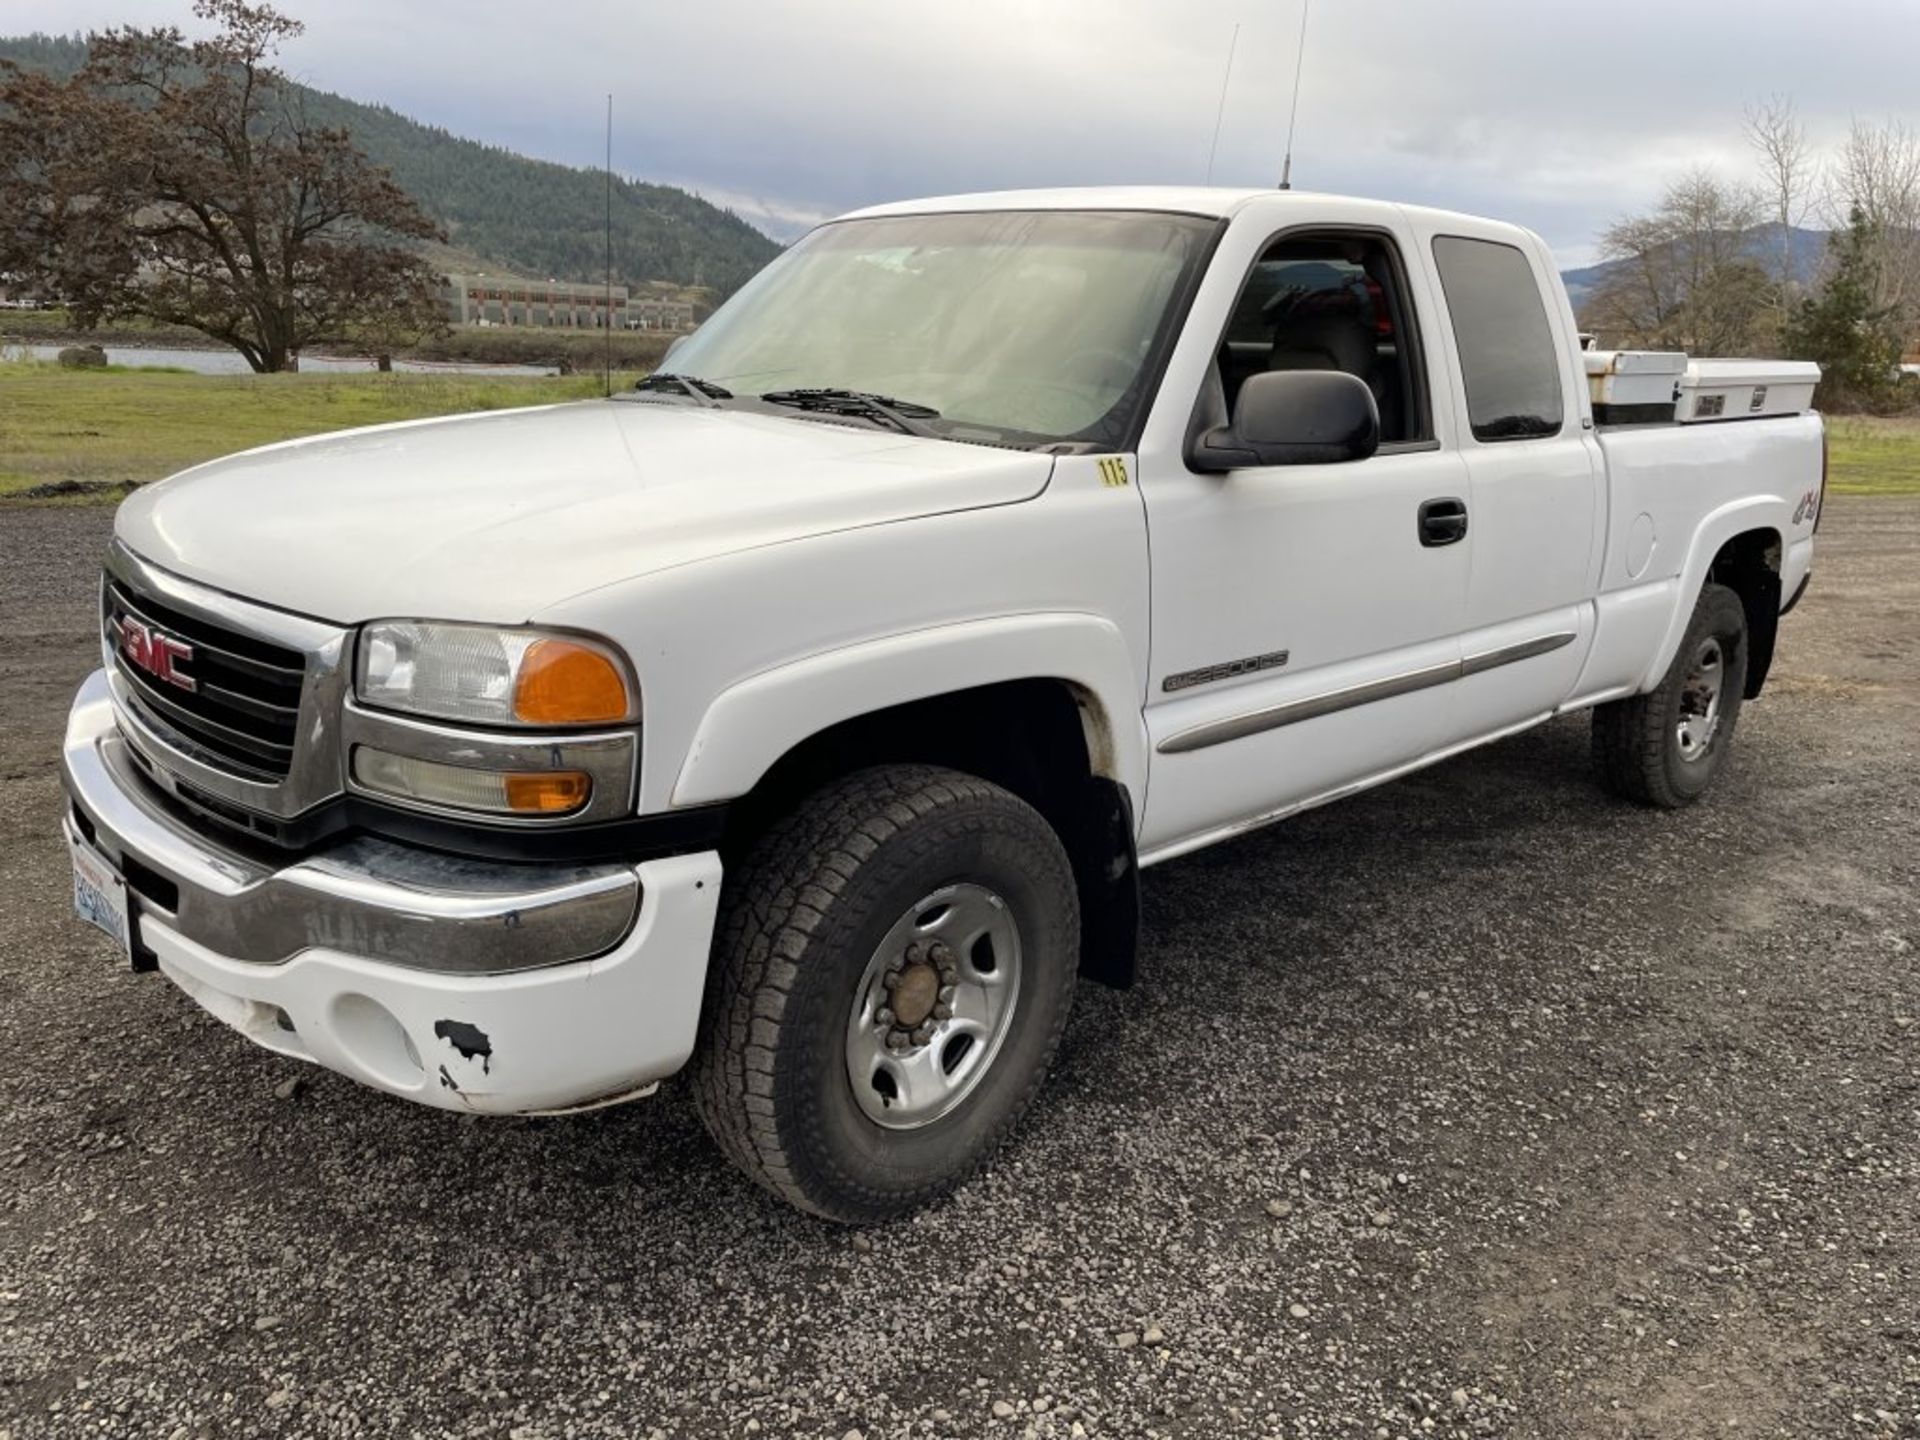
(462, 983)
(408, 906)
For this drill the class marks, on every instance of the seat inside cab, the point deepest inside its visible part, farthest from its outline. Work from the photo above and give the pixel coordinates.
(1325, 302)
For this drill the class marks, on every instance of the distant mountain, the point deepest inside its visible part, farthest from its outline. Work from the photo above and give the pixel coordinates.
(528, 216)
(1762, 243)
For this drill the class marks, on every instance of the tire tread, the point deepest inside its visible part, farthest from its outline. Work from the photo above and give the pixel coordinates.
(793, 876)
(1632, 737)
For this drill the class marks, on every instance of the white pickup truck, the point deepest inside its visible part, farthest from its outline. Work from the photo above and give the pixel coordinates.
(805, 716)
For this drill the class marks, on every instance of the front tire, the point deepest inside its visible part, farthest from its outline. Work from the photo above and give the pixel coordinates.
(893, 969)
(1665, 747)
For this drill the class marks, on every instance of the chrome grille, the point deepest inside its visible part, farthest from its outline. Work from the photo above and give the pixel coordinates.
(235, 698)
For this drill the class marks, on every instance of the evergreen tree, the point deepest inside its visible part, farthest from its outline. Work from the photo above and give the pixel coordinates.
(1855, 342)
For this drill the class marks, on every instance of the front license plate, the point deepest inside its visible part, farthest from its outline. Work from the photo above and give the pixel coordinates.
(100, 898)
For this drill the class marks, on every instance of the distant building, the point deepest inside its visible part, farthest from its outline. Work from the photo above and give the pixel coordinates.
(655, 312)
(17, 294)
(663, 305)
(492, 300)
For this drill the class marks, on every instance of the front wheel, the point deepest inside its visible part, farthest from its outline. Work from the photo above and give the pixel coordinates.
(1664, 748)
(893, 970)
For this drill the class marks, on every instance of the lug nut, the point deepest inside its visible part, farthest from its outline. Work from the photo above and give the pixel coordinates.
(947, 992)
(914, 953)
(923, 1033)
(943, 1012)
(889, 980)
(883, 1017)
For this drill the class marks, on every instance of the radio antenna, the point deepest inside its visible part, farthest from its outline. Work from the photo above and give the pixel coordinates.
(1299, 55)
(608, 369)
(1220, 113)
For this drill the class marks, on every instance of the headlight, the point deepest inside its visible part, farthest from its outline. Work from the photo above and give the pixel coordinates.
(485, 676)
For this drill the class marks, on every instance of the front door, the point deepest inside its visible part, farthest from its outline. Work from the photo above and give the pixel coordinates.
(1305, 620)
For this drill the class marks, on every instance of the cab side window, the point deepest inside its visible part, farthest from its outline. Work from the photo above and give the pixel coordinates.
(1508, 360)
(1331, 302)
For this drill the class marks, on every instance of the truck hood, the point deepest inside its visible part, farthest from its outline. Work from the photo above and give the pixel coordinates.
(493, 517)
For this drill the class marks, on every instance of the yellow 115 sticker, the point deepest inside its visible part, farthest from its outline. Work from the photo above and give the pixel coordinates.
(1113, 471)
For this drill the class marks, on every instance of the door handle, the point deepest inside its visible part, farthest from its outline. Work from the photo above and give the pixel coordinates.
(1443, 521)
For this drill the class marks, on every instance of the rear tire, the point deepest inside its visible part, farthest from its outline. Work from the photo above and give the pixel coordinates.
(905, 885)
(1665, 747)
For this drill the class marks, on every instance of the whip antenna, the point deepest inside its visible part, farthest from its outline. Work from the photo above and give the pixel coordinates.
(608, 370)
(1299, 55)
(1220, 113)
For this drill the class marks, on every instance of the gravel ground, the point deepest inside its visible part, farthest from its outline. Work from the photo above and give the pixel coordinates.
(1479, 1105)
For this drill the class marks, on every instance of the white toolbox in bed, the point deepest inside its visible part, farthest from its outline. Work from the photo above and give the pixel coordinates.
(1745, 389)
(1633, 386)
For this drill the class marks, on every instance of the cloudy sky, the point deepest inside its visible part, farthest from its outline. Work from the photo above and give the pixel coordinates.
(1556, 114)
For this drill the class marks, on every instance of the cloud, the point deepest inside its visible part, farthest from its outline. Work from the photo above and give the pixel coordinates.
(1557, 115)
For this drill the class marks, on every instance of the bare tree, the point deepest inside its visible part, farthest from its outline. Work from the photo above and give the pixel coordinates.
(1779, 140)
(1689, 282)
(1878, 172)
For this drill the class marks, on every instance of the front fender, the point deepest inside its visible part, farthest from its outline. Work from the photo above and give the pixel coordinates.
(751, 724)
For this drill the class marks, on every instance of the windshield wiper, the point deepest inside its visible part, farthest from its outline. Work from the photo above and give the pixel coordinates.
(902, 415)
(705, 391)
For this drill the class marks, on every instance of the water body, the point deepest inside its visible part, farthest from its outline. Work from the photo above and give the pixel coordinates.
(230, 362)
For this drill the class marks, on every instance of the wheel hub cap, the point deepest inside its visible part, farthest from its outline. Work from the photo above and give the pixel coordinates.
(933, 1006)
(1700, 702)
(915, 986)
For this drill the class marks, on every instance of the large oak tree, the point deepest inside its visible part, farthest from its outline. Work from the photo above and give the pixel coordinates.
(181, 180)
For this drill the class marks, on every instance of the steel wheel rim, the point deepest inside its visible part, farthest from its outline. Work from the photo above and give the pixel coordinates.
(1700, 701)
(908, 1069)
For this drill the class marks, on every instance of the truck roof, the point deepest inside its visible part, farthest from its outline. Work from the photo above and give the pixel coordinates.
(1209, 200)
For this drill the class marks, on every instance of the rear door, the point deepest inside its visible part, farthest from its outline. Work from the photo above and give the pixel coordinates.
(1536, 478)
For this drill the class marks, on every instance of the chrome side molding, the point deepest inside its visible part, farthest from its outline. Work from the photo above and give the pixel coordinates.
(1312, 707)
(1523, 650)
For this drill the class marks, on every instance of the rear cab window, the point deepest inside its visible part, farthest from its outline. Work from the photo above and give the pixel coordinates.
(1508, 360)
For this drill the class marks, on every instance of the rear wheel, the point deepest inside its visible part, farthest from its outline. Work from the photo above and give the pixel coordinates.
(1664, 748)
(893, 970)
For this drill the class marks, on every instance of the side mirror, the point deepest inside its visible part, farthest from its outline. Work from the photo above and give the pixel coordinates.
(1293, 417)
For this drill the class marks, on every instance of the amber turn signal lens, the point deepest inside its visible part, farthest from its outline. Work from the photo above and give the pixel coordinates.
(460, 787)
(564, 683)
(552, 792)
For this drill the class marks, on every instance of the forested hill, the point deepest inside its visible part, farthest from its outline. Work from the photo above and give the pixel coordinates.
(531, 216)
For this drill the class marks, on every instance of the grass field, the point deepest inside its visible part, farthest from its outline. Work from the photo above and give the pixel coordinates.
(55, 327)
(116, 426)
(1871, 456)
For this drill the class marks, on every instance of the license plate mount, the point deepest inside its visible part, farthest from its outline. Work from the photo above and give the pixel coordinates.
(100, 897)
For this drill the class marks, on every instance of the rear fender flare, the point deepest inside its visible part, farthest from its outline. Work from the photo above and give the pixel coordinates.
(1763, 512)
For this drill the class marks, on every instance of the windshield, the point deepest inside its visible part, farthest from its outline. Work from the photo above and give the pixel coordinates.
(1012, 327)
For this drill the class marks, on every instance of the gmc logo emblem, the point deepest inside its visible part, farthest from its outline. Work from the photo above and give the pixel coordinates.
(155, 652)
